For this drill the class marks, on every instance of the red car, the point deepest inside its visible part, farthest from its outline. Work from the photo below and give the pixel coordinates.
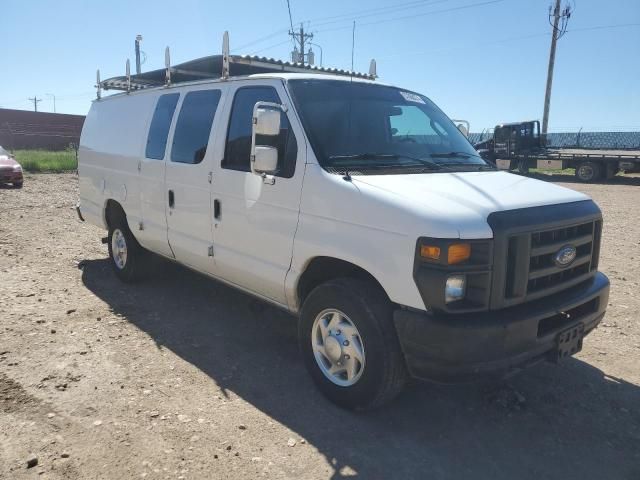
(10, 170)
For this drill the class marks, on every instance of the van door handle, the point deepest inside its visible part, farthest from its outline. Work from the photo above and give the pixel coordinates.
(216, 209)
(172, 199)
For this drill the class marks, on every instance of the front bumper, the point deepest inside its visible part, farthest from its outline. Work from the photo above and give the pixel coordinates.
(452, 348)
(10, 177)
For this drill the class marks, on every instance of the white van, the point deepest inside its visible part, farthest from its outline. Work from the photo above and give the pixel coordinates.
(355, 205)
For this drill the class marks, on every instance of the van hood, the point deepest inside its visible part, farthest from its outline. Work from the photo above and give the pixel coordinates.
(465, 199)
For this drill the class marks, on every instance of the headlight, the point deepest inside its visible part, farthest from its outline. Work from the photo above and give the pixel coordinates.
(453, 254)
(453, 275)
(17, 168)
(454, 288)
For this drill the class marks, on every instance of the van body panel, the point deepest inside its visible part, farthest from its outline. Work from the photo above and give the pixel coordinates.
(190, 219)
(469, 197)
(152, 228)
(111, 145)
(340, 219)
(254, 235)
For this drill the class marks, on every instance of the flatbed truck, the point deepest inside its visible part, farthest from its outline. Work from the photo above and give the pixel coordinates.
(520, 146)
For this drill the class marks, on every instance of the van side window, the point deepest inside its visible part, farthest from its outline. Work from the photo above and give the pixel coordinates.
(160, 123)
(238, 149)
(191, 136)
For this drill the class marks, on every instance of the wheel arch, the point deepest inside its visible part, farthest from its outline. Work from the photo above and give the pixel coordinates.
(322, 269)
(112, 212)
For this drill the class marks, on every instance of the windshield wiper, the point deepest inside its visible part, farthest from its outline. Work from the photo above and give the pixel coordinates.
(452, 155)
(391, 156)
(479, 166)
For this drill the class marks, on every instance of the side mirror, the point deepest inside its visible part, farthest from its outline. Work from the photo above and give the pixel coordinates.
(266, 123)
(265, 159)
(463, 126)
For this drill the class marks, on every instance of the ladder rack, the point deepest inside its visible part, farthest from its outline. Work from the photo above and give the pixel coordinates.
(221, 67)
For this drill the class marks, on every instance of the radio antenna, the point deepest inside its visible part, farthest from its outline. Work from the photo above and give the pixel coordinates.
(347, 175)
(353, 42)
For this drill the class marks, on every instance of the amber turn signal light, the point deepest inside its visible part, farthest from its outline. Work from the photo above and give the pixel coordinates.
(430, 252)
(458, 253)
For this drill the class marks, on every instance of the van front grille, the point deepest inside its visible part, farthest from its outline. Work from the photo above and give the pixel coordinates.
(531, 270)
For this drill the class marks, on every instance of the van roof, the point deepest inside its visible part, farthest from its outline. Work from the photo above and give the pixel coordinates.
(212, 68)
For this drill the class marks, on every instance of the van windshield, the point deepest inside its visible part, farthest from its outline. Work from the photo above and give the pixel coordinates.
(379, 129)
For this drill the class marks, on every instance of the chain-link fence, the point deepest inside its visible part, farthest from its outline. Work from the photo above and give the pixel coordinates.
(604, 140)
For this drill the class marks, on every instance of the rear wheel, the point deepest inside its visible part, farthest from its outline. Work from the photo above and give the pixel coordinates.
(349, 343)
(523, 166)
(588, 172)
(128, 258)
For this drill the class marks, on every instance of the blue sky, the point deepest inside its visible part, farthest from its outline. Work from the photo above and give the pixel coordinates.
(482, 60)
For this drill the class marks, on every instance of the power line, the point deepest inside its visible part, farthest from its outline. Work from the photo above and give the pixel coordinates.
(270, 47)
(375, 12)
(604, 27)
(509, 40)
(416, 4)
(406, 17)
(466, 47)
(262, 39)
(345, 17)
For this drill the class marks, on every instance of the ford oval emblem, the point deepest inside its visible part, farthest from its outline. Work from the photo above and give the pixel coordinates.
(565, 256)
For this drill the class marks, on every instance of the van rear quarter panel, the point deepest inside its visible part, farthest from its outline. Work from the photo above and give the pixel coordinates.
(112, 142)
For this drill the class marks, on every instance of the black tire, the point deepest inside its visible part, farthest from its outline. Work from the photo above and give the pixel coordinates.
(17, 184)
(523, 166)
(135, 266)
(588, 172)
(384, 373)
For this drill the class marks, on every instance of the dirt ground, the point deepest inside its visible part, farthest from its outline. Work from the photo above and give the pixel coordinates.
(181, 377)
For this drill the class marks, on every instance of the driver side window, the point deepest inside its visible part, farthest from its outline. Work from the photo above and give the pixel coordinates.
(238, 148)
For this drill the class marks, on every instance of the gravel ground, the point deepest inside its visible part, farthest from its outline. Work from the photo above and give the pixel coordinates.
(181, 377)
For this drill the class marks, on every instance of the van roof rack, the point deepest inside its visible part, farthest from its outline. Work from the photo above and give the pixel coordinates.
(216, 67)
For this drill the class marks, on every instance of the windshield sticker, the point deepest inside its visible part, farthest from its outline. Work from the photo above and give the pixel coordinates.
(412, 97)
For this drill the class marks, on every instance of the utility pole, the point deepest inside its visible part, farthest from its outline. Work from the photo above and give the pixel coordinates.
(298, 56)
(321, 54)
(138, 68)
(35, 101)
(54, 100)
(560, 21)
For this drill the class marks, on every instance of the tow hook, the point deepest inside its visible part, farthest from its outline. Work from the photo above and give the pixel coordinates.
(104, 240)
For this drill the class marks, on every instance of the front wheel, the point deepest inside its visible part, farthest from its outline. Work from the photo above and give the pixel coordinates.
(349, 344)
(17, 184)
